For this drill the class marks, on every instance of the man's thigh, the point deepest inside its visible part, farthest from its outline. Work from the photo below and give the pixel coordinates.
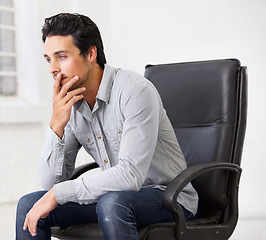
(63, 215)
(71, 213)
(148, 207)
(145, 206)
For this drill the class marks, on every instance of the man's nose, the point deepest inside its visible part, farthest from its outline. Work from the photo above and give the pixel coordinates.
(54, 68)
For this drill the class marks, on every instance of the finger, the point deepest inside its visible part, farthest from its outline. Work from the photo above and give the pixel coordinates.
(74, 93)
(57, 83)
(69, 84)
(33, 231)
(74, 100)
(32, 227)
(25, 226)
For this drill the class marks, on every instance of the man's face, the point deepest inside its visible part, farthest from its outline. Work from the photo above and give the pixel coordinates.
(64, 57)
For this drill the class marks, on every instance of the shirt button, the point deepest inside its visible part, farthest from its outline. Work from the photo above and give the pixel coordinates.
(105, 161)
(99, 137)
(88, 140)
(120, 132)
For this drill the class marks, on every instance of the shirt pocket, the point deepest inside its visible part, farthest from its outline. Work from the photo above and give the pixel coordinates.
(86, 139)
(113, 138)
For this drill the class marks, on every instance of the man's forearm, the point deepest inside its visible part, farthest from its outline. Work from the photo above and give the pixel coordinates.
(58, 130)
(50, 165)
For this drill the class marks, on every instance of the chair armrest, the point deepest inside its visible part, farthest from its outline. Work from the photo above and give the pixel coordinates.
(186, 176)
(82, 169)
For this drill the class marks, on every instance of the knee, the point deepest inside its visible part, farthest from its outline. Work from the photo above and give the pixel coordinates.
(26, 202)
(24, 205)
(107, 202)
(112, 204)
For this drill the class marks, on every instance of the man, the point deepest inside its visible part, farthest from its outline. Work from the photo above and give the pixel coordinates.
(118, 117)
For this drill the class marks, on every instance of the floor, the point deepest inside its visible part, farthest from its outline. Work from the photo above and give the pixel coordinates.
(247, 228)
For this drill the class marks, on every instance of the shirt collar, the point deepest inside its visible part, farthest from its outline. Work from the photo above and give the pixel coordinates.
(105, 88)
(106, 85)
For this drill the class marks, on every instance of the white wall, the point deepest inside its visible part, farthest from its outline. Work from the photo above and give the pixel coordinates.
(155, 31)
(136, 33)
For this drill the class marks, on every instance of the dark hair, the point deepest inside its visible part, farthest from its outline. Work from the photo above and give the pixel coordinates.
(84, 31)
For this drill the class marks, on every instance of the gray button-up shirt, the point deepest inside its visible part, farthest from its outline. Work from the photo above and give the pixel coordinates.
(127, 133)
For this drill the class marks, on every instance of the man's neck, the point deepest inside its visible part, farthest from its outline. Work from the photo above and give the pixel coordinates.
(93, 85)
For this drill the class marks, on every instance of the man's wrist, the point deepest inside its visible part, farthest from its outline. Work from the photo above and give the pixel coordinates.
(59, 131)
(52, 197)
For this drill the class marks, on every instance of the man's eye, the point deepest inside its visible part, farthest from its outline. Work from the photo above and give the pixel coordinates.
(48, 60)
(62, 57)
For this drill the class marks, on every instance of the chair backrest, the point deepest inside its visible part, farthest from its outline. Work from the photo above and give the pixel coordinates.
(205, 102)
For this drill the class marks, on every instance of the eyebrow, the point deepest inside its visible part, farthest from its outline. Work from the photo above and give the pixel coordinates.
(55, 53)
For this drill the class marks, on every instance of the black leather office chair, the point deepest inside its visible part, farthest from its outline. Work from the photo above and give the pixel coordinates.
(206, 103)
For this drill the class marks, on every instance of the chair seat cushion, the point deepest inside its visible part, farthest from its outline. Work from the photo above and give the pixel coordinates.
(78, 232)
(93, 232)
(158, 231)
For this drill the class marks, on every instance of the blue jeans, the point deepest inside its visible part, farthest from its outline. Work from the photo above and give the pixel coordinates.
(119, 214)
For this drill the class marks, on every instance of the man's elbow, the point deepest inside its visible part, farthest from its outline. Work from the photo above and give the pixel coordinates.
(46, 185)
(47, 181)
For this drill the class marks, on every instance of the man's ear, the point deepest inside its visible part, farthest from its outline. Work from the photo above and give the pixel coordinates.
(92, 53)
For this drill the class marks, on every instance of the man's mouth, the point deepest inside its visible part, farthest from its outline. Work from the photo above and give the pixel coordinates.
(62, 82)
(63, 78)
